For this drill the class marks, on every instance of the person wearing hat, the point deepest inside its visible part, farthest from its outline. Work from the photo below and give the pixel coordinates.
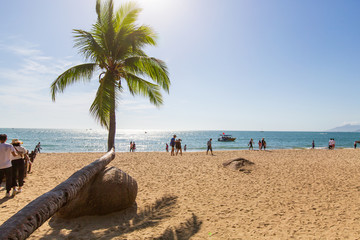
(5, 163)
(172, 144)
(18, 164)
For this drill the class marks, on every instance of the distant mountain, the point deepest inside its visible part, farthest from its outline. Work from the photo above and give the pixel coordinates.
(346, 128)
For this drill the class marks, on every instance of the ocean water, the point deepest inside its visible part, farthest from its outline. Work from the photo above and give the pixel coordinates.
(88, 140)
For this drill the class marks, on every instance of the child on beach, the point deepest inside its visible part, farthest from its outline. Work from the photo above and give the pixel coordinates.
(167, 147)
(260, 145)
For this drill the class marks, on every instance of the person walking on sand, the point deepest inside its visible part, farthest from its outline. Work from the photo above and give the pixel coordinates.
(167, 147)
(332, 143)
(264, 144)
(185, 148)
(209, 147)
(260, 145)
(38, 148)
(178, 146)
(18, 164)
(250, 144)
(313, 144)
(172, 145)
(134, 147)
(131, 146)
(5, 163)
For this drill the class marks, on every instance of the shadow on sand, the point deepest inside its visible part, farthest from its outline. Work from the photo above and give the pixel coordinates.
(123, 222)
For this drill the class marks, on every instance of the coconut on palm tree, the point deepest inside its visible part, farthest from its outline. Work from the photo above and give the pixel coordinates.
(114, 51)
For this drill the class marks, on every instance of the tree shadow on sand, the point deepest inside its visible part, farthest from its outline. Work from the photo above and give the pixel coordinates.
(184, 231)
(120, 223)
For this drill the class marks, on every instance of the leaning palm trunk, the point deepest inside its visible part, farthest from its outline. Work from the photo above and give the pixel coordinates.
(33, 215)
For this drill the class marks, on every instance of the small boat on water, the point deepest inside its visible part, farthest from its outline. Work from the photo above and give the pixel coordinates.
(226, 138)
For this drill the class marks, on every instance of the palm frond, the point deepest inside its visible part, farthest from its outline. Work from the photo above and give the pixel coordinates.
(103, 30)
(139, 86)
(126, 15)
(104, 101)
(82, 72)
(88, 46)
(151, 67)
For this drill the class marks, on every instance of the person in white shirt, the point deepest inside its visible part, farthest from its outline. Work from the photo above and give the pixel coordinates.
(18, 166)
(5, 163)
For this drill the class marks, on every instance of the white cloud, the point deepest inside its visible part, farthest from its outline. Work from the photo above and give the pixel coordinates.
(350, 123)
(25, 89)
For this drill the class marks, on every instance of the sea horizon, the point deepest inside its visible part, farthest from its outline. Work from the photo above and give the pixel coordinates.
(95, 140)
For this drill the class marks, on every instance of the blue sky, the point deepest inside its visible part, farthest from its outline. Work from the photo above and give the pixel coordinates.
(234, 65)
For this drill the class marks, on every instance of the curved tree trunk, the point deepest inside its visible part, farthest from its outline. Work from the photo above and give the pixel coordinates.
(33, 215)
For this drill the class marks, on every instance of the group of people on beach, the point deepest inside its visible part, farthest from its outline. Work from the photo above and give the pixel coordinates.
(175, 144)
(12, 164)
(132, 146)
(261, 143)
(332, 143)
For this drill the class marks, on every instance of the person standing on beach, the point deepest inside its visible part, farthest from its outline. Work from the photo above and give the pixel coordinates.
(131, 146)
(209, 147)
(263, 143)
(37, 148)
(332, 143)
(5, 162)
(178, 146)
(134, 147)
(172, 145)
(18, 164)
(185, 148)
(355, 145)
(260, 145)
(313, 144)
(251, 144)
(167, 147)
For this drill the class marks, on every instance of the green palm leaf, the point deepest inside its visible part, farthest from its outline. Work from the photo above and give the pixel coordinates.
(104, 101)
(78, 73)
(139, 86)
(151, 67)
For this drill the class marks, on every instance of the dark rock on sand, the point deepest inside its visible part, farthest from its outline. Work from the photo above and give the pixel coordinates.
(239, 164)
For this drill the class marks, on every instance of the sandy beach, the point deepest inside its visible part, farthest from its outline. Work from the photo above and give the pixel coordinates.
(300, 194)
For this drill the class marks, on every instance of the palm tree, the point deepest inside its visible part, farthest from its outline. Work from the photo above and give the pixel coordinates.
(114, 50)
